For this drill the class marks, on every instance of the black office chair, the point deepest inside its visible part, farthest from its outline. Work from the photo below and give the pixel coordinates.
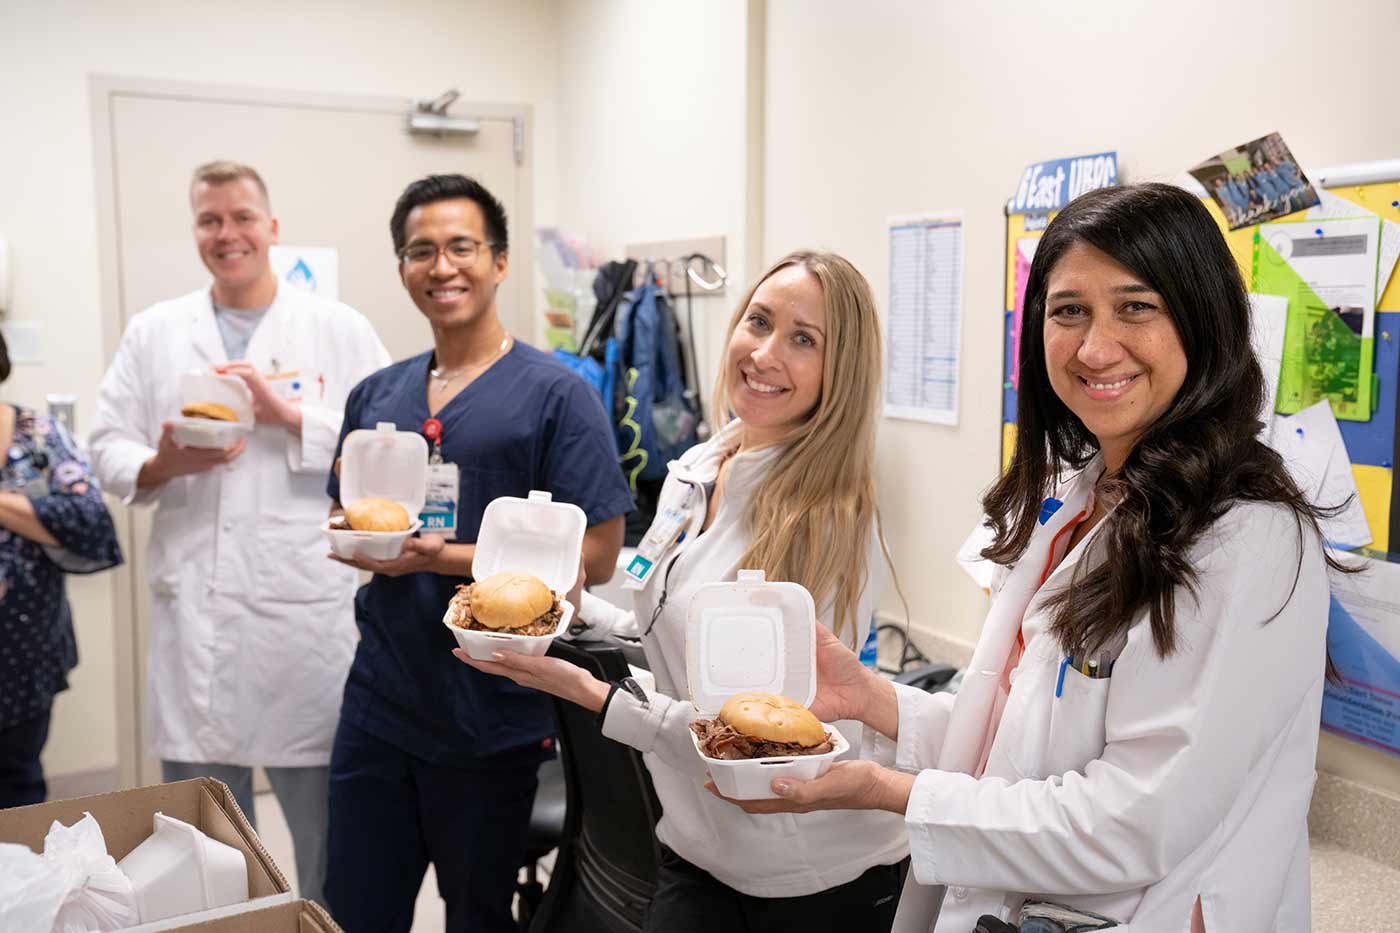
(546, 829)
(605, 870)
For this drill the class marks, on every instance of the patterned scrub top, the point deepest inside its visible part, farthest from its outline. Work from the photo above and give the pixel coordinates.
(37, 647)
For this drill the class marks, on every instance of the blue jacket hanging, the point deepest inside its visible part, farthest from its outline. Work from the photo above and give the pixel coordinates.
(655, 423)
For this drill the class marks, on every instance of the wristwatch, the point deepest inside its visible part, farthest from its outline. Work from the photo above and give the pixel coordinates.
(631, 686)
(628, 684)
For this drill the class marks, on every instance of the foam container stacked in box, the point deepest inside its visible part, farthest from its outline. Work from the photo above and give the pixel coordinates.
(205, 863)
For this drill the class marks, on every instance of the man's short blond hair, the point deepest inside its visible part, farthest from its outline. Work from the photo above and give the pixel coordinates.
(222, 171)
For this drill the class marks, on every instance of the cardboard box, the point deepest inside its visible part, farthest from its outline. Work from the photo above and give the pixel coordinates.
(126, 819)
(297, 917)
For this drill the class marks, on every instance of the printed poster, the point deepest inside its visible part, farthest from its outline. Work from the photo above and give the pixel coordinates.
(315, 269)
(1327, 271)
(924, 324)
(1363, 638)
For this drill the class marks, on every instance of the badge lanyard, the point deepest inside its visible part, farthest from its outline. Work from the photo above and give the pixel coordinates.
(439, 515)
(665, 532)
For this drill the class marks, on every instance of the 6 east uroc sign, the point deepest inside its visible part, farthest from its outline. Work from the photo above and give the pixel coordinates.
(1049, 186)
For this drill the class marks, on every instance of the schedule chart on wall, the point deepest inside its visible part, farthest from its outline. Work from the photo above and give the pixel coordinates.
(924, 323)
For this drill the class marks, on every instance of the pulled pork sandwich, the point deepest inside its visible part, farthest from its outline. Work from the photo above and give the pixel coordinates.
(508, 602)
(373, 514)
(761, 725)
(211, 411)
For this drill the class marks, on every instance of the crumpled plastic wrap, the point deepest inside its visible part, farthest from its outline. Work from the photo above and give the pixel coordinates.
(74, 887)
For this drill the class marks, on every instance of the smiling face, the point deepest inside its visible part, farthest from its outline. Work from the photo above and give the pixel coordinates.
(776, 353)
(1112, 351)
(451, 292)
(233, 228)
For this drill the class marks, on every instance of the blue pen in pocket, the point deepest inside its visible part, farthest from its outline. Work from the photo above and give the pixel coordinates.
(1060, 681)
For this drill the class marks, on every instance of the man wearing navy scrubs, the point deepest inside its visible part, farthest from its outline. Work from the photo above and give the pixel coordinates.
(434, 761)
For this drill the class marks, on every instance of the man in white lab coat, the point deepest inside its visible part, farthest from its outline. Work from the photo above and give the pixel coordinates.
(251, 627)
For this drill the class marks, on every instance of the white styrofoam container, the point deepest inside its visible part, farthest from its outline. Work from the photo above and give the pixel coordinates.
(752, 636)
(535, 535)
(384, 463)
(200, 386)
(481, 645)
(179, 870)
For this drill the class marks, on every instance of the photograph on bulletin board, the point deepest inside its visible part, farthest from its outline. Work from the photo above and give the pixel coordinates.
(1256, 181)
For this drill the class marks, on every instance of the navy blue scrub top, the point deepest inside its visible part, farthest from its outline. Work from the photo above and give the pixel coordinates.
(526, 423)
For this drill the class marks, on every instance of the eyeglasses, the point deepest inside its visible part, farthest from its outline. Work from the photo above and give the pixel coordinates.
(461, 252)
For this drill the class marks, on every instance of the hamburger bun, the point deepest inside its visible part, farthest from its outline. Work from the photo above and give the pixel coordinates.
(510, 600)
(210, 410)
(772, 718)
(377, 515)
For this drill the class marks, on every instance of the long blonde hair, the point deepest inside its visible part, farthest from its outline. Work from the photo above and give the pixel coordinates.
(810, 519)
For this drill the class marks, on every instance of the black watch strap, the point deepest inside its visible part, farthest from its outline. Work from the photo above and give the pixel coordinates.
(603, 712)
(628, 685)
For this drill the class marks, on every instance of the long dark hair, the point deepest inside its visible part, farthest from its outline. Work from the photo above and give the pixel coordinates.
(1191, 465)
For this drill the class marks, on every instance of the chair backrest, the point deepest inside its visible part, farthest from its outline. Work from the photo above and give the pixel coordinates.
(606, 866)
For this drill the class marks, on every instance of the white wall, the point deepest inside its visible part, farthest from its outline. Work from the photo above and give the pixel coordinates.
(904, 106)
(491, 51)
(653, 132)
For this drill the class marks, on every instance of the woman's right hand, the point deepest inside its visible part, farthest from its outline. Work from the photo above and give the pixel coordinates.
(552, 675)
(845, 687)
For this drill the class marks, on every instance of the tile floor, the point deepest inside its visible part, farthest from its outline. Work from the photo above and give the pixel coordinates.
(1349, 892)
(428, 912)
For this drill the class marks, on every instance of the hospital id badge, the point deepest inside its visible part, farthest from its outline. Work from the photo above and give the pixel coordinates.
(287, 385)
(665, 532)
(439, 515)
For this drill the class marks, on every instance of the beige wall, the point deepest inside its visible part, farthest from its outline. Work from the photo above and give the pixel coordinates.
(904, 106)
(414, 48)
(653, 132)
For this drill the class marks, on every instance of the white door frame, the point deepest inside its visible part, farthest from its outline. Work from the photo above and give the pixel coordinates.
(104, 90)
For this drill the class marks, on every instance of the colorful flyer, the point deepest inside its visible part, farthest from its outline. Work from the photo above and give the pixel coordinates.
(1363, 639)
(1327, 271)
(1025, 254)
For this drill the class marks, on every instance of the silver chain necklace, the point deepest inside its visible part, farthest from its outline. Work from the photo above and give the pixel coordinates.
(444, 376)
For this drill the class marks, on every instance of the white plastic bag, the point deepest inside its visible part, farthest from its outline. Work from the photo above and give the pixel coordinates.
(76, 886)
(31, 891)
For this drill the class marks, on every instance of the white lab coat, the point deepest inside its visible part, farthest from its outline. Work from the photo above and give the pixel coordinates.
(774, 855)
(251, 625)
(1131, 795)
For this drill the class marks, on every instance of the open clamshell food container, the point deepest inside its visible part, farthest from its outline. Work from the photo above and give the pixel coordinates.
(384, 463)
(751, 636)
(537, 536)
(205, 432)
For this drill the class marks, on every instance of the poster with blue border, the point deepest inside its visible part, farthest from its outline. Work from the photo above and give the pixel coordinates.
(1363, 639)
